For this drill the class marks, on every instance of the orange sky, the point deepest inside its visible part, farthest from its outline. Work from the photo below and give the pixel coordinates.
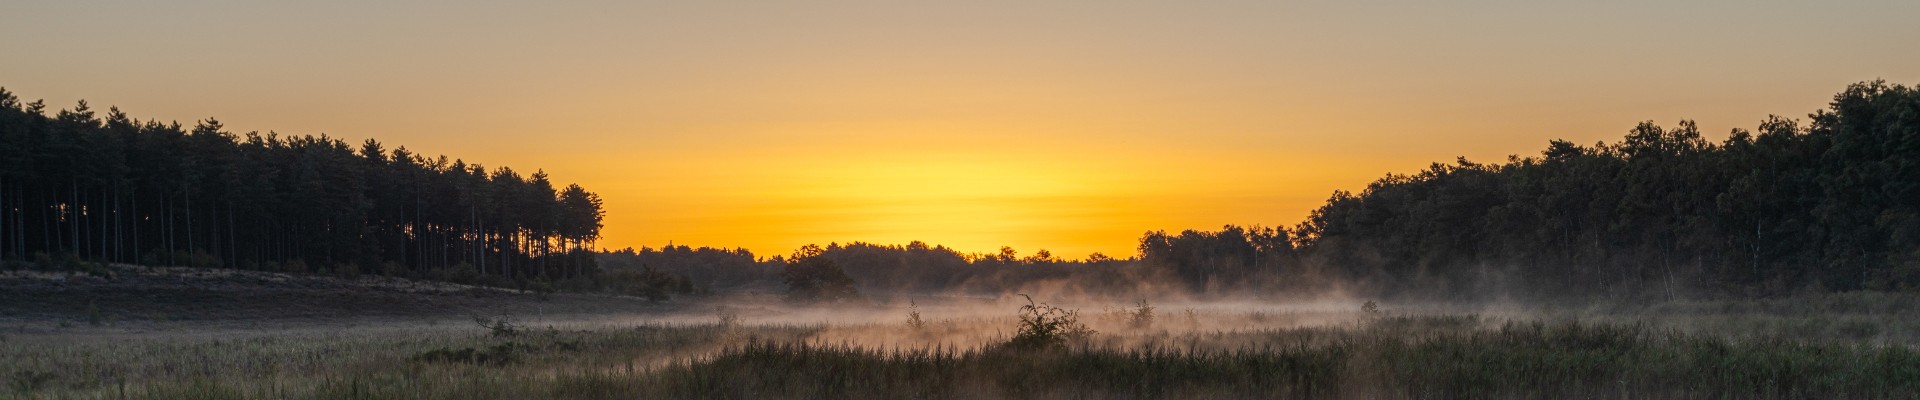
(1070, 126)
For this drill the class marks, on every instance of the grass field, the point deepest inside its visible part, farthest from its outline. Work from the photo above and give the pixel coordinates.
(1857, 345)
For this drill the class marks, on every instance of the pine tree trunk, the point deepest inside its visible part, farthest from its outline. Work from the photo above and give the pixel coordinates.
(479, 242)
(6, 234)
(190, 245)
(168, 204)
(119, 228)
(136, 227)
(46, 223)
(73, 218)
(106, 227)
(233, 246)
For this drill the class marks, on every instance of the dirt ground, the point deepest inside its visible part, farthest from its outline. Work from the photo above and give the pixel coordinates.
(133, 299)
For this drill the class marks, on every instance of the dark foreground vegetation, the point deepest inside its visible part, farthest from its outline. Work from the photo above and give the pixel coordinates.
(1401, 358)
(1264, 354)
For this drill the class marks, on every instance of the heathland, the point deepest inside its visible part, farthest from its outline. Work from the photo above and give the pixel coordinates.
(459, 342)
(144, 260)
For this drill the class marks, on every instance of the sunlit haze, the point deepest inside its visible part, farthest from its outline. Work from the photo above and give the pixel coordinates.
(1068, 126)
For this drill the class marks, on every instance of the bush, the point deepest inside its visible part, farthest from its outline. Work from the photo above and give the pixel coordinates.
(346, 271)
(913, 317)
(63, 261)
(395, 269)
(1142, 316)
(42, 261)
(500, 354)
(203, 259)
(1044, 326)
(27, 381)
(499, 326)
(462, 273)
(543, 288)
(94, 317)
(646, 283)
(726, 317)
(493, 281)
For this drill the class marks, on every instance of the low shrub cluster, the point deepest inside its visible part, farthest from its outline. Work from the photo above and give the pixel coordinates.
(1043, 326)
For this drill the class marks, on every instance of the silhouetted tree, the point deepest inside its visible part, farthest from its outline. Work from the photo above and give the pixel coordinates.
(75, 185)
(1663, 212)
(812, 277)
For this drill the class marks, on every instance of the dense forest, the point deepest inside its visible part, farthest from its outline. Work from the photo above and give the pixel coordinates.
(77, 187)
(1830, 204)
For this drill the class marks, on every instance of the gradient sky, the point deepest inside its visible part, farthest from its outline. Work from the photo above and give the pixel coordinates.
(1070, 126)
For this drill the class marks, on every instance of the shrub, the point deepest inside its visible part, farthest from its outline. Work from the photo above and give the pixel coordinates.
(296, 266)
(500, 354)
(346, 271)
(462, 273)
(727, 318)
(395, 269)
(499, 326)
(43, 261)
(1142, 315)
(1045, 326)
(913, 317)
(97, 270)
(203, 259)
(646, 283)
(27, 381)
(72, 263)
(543, 288)
(93, 314)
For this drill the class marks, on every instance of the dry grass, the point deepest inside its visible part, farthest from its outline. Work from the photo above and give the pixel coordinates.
(1685, 351)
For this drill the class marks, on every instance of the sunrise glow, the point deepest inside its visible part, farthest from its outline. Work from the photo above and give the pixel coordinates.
(1069, 126)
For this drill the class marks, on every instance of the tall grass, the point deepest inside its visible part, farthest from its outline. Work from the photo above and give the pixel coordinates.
(1394, 358)
(1372, 355)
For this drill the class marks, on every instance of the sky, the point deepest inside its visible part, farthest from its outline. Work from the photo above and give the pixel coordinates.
(1072, 126)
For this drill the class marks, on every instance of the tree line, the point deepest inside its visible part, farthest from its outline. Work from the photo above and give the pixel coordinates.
(1831, 203)
(78, 186)
(1828, 204)
(838, 272)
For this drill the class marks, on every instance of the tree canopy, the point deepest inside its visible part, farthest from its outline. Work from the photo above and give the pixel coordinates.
(113, 189)
(1828, 204)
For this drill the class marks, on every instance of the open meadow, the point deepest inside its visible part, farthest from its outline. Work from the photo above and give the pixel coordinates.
(1847, 345)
